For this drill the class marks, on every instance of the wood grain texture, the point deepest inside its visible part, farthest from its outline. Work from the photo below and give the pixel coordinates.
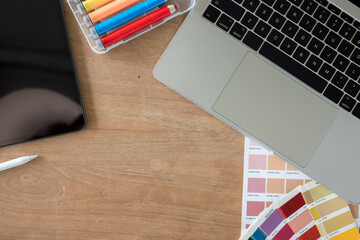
(150, 164)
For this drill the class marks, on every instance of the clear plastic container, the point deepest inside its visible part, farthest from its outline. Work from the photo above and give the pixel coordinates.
(183, 7)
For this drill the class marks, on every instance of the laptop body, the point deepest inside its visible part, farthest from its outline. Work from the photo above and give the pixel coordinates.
(284, 73)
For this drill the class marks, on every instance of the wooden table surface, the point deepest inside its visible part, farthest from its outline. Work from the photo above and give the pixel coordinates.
(149, 165)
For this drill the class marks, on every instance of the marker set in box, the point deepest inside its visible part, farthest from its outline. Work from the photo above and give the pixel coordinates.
(108, 23)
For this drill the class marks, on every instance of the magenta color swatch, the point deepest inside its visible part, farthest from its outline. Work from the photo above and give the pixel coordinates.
(254, 208)
(257, 162)
(256, 185)
(284, 234)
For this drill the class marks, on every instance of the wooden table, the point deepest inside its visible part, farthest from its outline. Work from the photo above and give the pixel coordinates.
(149, 165)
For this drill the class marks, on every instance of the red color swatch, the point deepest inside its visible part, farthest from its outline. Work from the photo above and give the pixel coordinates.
(292, 205)
(311, 234)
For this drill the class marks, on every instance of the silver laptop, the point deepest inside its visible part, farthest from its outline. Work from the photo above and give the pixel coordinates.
(285, 73)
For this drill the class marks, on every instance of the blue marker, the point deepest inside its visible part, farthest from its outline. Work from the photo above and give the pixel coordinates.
(124, 17)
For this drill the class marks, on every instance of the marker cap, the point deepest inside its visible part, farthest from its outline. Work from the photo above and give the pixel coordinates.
(99, 44)
(81, 8)
(93, 32)
(87, 20)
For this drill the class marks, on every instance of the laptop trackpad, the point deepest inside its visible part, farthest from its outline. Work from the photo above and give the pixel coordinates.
(275, 109)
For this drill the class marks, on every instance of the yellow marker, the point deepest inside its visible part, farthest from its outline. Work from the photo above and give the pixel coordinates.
(108, 10)
(89, 5)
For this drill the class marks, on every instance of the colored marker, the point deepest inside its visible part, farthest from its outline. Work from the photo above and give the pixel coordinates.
(89, 5)
(124, 17)
(107, 10)
(136, 26)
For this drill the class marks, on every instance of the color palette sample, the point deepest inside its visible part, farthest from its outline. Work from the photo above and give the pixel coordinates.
(309, 212)
(331, 213)
(288, 218)
(267, 178)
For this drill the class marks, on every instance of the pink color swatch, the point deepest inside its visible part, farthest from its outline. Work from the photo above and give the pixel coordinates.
(254, 208)
(257, 162)
(256, 185)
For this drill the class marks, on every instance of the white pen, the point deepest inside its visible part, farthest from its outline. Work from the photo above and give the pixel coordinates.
(16, 162)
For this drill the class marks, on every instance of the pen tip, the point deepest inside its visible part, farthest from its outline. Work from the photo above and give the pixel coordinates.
(33, 157)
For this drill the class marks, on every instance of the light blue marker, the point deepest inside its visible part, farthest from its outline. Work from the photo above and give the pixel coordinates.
(124, 17)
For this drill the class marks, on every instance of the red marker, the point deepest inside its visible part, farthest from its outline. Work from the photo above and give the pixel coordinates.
(137, 26)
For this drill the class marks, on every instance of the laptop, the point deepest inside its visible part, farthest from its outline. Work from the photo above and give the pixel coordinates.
(39, 90)
(284, 73)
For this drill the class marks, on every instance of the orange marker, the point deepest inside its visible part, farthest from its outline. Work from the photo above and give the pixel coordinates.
(107, 10)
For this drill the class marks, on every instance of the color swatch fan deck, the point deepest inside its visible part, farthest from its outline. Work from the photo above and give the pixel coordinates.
(267, 178)
(309, 212)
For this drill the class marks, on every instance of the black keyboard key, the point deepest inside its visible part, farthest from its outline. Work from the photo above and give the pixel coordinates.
(356, 39)
(301, 54)
(355, 57)
(277, 20)
(327, 71)
(296, 2)
(238, 1)
(346, 48)
(289, 29)
(339, 80)
(347, 31)
(341, 63)
(238, 31)
(230, 8)
(320, 31)
(333, 93)
(294, 14)
(212, 14)
(249, 20)
(353, 71)
(302, 37)
(288, 46)
(356, 111)
(346, 17)
(347, 103)
(333, 40)
(275, 37)
(264, 12)
(307, 22)
(262, 29)
(293, 67)
(334, 9)
(328, 54)
(251, 5)
(322, 2)
(282, 6)
(357, 25)
(322, 14)
(315, 46)
(334, 23)
(269, 2)
(225, 22)
(314, 63)
(352, 88)
(253, 41)
(309, 6)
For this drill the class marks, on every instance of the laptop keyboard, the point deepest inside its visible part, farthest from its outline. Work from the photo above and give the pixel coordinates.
(311, 39)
